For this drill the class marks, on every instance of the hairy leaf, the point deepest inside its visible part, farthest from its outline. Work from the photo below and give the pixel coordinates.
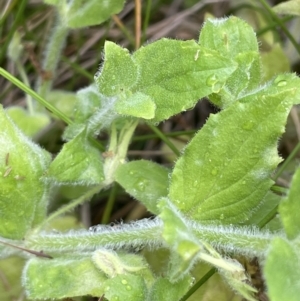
(235, 39)
(62, 277)
(145, 181)
(79, 162)
(224, 173)
(30, 124)
(229, 36)
(176, 74)
(168, 75)
(119, 72)
(137, 105)
(282, 271)
(88, 102)
(290, 207)
(180, 239)
(125, 287)
(23, 196)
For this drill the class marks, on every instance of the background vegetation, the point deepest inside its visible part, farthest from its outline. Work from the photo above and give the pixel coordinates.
(82, 54)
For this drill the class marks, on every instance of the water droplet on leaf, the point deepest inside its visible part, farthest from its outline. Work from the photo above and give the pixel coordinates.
(282, 83)
(124, 281)
(142, 185)
(211, 80)
(128, 287)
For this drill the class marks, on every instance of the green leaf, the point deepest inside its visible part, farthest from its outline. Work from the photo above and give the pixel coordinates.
(224, 173)
(282, 271)
(291, 7)
(290, 207)
(62, 277)
(125, 287)
(79, 162)
(176, 74)
(147, 182)
(29, 124)
(235, 39)
(83, 13)
(180, 238)
(137, 105)
(23, 196)
(136, 85)
(119, 73)
(229, 36)
(245, 78)
(187, 249)
(175, 291)
(88, 102)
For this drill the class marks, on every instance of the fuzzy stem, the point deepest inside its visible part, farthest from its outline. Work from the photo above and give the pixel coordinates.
(250, 242)
(119, 148)
(52, 55)
(36, 96)
(148, 233)
(133, 235)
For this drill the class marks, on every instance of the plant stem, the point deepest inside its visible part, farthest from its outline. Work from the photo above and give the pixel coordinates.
(246, 241)
(88, 195)
(133, 235)
(109, 205)
(16, 23)
(36, 96)
(281, 24)
(287, 161)
(53, 52)
(148, 233)
(170, 134)
(146, 19)
(210, 273)
(163, 137)
(119, 147)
